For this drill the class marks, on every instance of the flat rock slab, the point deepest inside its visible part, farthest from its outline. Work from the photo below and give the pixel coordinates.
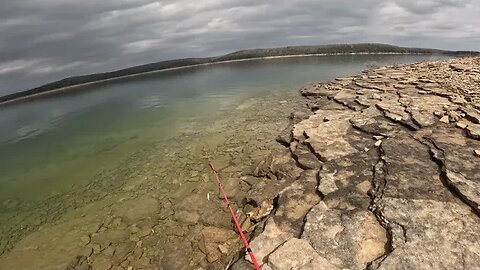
(432, 235)
(410, 171)
(330, 135)
(271, 238)
(456, 155)
(297, 254)
(347, 176)
(473, 131)
(347, 238)
(295, 201)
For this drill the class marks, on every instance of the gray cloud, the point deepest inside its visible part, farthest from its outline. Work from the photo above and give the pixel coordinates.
(45, 40)
(426, 7)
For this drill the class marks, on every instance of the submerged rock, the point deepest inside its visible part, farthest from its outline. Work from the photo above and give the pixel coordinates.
(177, 258)
(141, 209)
(212, 238)
(187, 217)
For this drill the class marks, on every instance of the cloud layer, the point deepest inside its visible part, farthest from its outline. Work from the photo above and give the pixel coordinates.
(45, 40)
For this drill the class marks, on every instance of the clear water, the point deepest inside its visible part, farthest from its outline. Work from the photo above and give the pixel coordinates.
(52, 145)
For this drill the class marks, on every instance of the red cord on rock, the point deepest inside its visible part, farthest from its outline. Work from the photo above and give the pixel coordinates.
(234, 217)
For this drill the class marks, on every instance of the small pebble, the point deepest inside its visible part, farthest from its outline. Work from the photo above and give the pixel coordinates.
(461, 125)
(439, 114)
(223, 249)
(476, 153)
(378, 143)
(444, 119)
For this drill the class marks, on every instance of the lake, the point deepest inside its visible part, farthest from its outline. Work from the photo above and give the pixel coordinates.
(74, 160)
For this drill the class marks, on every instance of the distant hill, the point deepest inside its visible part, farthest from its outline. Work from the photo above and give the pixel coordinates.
(239, 55)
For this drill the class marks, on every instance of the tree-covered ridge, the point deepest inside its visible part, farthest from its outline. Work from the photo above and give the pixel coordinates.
(328, 49)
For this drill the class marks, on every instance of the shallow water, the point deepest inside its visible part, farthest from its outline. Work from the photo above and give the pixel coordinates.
(144, 135)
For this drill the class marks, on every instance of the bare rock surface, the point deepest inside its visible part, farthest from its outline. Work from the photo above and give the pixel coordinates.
(297, 254)
(429, 234)
(295, 201)
(270, 239)
(348, 238)
(391, 174)
(473, 131)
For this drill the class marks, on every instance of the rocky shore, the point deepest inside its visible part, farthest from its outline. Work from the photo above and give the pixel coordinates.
(375, 171)
(384, 173)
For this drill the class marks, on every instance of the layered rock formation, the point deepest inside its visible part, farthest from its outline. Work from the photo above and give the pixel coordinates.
(384, 174)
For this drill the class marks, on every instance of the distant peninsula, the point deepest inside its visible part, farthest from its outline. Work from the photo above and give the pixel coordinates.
(361, 48)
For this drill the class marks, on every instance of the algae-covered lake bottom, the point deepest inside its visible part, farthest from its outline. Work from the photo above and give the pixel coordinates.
(118, 166)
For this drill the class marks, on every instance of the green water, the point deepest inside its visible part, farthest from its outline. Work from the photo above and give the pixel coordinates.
(49, 145)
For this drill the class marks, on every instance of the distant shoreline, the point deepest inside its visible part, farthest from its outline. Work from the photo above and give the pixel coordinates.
(240, 56)
(66, 88)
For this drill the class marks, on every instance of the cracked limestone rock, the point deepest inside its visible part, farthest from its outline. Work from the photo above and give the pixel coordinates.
(267, 241)
(298, 254)
(424, 189)
(472, 114)
(331, 139)
(295, 201)
(461, 170)
(436, 235)
(413, 201)
(346, 238)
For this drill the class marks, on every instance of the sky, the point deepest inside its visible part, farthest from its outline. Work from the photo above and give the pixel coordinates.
(46, 40)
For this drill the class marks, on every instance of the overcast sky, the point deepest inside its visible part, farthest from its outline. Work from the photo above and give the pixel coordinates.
(45, 40)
